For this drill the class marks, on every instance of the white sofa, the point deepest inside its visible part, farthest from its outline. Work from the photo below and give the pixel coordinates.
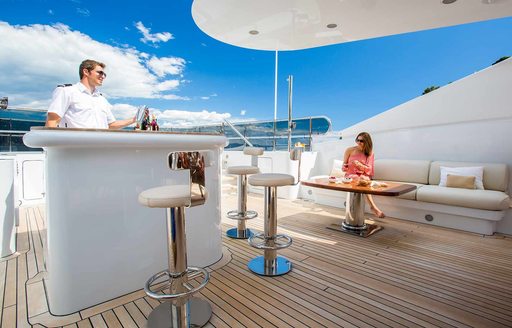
(465, 209)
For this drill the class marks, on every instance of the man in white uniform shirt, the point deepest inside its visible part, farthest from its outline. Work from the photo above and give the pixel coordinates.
(81, 105)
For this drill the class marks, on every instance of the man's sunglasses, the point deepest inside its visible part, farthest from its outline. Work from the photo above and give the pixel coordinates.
(100, 73)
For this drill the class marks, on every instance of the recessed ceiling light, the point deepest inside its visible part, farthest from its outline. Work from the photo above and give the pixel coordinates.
(332, 25)
(254, 32)
(447, 2)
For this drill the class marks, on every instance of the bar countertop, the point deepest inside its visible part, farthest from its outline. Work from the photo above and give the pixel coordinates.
(76, 138)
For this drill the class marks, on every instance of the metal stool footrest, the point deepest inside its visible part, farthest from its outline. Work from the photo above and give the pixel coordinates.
(247, 215)
(276, 242)
(191, 273)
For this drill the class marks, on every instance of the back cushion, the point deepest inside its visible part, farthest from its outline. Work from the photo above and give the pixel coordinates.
(336, 170)
(495, 175)
(404, 170)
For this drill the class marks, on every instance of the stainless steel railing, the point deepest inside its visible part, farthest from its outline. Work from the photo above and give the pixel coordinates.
(238, 133)
(273, 137)
(12, 141)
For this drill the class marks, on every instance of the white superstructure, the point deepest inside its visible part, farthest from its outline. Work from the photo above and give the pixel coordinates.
(300, 24)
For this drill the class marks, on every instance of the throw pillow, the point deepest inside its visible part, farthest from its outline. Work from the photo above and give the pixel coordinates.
(476, 171)
(460, 181)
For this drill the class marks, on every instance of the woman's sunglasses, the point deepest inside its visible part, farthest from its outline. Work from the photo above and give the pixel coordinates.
(360, 140)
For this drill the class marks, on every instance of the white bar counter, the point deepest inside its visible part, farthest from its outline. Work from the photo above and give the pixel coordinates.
(101, 243)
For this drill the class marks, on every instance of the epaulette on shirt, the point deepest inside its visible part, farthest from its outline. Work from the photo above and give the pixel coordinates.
(64, 85)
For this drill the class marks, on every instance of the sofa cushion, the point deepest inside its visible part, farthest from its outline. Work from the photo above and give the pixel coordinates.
(411, 195)
(402, 170)
(495, 175)
(480, 199)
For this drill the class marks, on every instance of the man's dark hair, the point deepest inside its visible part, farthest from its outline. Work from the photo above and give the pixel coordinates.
(89, 65)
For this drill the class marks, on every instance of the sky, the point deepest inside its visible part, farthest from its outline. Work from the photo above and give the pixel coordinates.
(157, 56)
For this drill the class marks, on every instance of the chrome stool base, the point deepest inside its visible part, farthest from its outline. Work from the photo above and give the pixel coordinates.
(247, 215)
(270, 243)
(164, 316)
(369, 230)
(347, 226)
(239, 234)
(277, 267)
(177, 281)
(241, 214)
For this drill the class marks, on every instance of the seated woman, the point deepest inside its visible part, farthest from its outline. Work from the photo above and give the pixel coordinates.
(358, 160)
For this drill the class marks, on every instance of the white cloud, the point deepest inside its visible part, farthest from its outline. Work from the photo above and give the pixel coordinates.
(208, 97)
(152, 37)
(123, 111)
(174, 97)
(168, 85)
(179, 118)
(242, 112)
(166, 65)
(38, 57)
(50, 11)
(172, 118)
(83, 11)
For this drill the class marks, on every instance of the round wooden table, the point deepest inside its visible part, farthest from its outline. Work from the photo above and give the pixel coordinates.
(354, 209)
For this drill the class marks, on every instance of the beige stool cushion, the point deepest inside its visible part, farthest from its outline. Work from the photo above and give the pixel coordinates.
(253, 151)
(170, 196)
(240, 170)
(271, 179)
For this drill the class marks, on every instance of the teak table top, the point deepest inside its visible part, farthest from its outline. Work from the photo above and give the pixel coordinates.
(392, 188)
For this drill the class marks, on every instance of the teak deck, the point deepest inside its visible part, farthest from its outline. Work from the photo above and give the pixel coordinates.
(408, 275)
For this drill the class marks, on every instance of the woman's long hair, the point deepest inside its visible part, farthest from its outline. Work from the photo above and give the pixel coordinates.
(368, 144)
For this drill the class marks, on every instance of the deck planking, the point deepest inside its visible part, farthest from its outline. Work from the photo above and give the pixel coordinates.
(407, 275)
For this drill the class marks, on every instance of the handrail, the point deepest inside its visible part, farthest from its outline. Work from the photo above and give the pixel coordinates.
(305, 135)
(277, 137)
(290, 124)
(13, 131)
(238, 132)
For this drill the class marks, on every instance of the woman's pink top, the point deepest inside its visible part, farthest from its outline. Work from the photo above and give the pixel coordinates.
(368, 161)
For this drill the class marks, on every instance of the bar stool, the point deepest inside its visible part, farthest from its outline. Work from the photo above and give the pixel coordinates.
(180, 309)
(242, 214)
(270, 264)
